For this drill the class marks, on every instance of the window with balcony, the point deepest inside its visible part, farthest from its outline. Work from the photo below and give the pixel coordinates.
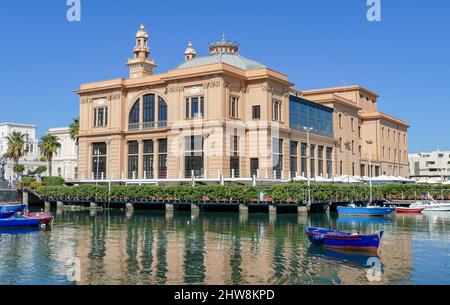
(99, 161)
(147, 108)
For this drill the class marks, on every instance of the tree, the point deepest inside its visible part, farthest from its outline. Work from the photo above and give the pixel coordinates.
(19, 168)
(74, 129)
(16, 143)
(49, 146)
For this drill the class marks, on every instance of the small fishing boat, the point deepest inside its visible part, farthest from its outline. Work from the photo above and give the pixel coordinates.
(8, 207)
(408, 210)
(44, 218)
(365, 211)
(18, 221)
(329, 238)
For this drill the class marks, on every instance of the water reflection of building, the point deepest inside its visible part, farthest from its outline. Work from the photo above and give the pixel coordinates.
(217, 250)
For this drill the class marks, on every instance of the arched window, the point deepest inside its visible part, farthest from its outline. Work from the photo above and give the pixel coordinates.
(162, 113)
(149, 111)
(134, 116)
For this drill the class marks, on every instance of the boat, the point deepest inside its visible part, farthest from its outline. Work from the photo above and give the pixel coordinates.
(8, 207)
(365, 211)
(4, 215)
(44, 218)
(428, 204)
(18, 221)
(408, 210)
(333, 239)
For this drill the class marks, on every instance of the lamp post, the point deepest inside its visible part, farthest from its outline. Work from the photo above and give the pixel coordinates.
(308, 165)
(370, 142)
(3, 163)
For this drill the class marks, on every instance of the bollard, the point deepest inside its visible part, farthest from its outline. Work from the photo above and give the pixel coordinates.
(243, 209)
(195, 209)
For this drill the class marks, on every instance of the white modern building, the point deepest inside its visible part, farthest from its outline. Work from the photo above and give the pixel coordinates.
(65, 161)
(432, 165)
(31, 160)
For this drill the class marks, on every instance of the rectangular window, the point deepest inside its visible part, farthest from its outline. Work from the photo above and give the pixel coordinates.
(340, 121)
(353, 124)
(234, 157)
(320, 159)
(149, 111)
(276, 111)
(234, 107)
(133, 157)
(363, 170)
(256, 112)
(312, 154)
(99, 161)
(329, 157)
(194, 156)
(254, 167)
(148, 159)
(277, 147)
(294, 158)
(162, 159)
(101, 117)
(303, 154)
(195, 107)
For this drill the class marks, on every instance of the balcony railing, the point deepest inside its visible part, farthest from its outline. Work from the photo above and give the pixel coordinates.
(147, 125)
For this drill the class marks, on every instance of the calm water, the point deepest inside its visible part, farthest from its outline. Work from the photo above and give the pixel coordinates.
(218, 248)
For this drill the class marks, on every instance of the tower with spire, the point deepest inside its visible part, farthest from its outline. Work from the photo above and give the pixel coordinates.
(140, 65)
(190, 52)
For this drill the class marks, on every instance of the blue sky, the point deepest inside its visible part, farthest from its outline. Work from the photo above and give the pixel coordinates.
(320, 43)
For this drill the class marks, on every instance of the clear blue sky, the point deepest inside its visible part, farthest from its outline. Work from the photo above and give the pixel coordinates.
(320, 43)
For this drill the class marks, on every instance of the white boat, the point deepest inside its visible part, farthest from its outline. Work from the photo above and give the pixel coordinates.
(431, 205)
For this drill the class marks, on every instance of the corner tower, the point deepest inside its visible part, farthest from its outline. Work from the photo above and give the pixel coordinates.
(140, 65)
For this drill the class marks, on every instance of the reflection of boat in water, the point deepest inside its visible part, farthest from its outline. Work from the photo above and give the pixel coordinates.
(19, 231)
(365, 211)
(351, 258)
(435, 216)
(351, 220)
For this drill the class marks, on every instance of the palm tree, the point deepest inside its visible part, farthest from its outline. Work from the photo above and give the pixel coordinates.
(49, 146)
(74, 129)
(16, 143)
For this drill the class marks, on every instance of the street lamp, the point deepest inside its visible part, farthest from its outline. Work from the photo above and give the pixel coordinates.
(3, 163)
(308, 130)
(370, 142)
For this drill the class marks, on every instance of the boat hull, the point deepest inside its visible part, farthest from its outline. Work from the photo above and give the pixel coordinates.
(409, 210)
(19, 222)
(342, 240)
(4, 215)
(45, 219)
(12, 208)
(365, 211)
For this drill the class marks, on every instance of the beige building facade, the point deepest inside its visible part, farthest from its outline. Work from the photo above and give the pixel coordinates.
(226, 116)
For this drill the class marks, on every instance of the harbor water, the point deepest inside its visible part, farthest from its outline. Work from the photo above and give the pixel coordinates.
(151, 247)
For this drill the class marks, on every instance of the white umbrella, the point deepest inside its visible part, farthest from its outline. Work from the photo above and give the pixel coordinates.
(347, 179)
(300, 178)
(321, 179)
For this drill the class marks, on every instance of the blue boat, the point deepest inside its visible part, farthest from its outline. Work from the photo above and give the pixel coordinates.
(4, 215)
(365, 211)
(333, 239)
(19, 222)
(12, 208)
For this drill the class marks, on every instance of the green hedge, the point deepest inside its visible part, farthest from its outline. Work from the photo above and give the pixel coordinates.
(53, 181)
(291, 192)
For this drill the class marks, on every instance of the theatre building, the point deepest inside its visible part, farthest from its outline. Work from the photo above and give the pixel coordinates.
(225, 117)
